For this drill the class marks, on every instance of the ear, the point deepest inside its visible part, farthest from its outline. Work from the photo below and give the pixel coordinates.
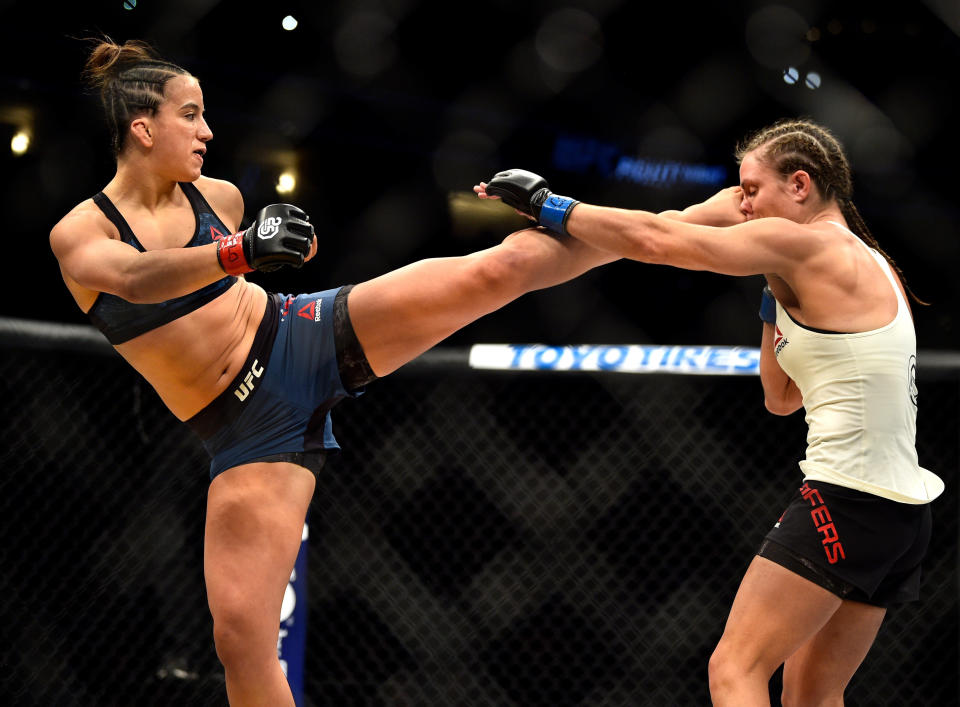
(141, 131)
(800, 185)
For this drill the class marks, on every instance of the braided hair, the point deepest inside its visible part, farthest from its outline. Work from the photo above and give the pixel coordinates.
(800, 144)
(131, 79)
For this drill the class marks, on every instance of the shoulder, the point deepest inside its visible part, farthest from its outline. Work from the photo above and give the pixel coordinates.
(82, 222)
(778, 226)
(224, 197)
(790, 236)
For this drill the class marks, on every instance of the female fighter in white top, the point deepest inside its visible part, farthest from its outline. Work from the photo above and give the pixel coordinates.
(838, 339)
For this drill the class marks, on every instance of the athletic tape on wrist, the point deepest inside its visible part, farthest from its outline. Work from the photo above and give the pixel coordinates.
(555, 211)
(231, 256)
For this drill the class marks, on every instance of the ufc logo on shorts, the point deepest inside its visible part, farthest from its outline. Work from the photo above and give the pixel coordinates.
(269, 228)
(824, 525)
(246, 387)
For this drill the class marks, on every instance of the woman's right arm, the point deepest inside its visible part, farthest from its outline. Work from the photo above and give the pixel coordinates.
(95, 261)
(780, 394)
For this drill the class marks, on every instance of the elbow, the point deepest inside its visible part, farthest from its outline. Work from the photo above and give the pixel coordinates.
(646, 246)
(649, 250)
(130, 293)
(780, 406)
(132, 290)
(651, 240)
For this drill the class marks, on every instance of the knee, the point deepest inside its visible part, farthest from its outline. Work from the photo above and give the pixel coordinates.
(720, 671)
(733, 670)
(513, 263)
(235, 635)
(228, 638)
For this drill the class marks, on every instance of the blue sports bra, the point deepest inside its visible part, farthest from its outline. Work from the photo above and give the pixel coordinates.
(120, 320)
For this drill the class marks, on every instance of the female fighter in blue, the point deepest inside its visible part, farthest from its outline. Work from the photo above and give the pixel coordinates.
(157, 261)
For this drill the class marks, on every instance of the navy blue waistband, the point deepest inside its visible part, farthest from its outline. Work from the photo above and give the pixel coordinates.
(227, 406)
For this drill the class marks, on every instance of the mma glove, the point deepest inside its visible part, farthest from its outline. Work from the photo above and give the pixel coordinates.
(530, 194)
(768, 306)
(280, 235)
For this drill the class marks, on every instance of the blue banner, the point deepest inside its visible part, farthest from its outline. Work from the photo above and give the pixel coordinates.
(292, 640)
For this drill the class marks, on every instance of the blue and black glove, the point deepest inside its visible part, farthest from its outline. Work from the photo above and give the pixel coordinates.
(530, 194)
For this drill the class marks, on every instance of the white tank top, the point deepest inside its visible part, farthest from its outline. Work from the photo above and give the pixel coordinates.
(860, 396)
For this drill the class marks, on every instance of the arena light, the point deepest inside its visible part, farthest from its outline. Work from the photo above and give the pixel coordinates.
(286, 183)
(20, 143)
(289, 23)
(812, 81)
(790, 75)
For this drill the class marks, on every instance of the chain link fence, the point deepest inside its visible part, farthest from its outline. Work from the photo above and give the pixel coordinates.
(485, 538)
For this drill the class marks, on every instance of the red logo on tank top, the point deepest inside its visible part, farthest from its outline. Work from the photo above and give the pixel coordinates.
(823, 522)
(215, 234)
(779, 340)
(311, 311)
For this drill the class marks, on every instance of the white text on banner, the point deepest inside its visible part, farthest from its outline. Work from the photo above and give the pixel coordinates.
(708, 360)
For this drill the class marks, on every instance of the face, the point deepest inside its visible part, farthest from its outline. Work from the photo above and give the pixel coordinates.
(765, 192)
(180, 133)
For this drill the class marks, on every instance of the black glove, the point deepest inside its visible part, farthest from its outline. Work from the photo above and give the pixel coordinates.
(530, 193)
(280, 235)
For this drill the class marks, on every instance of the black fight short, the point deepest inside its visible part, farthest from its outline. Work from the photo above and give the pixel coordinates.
(856, 545)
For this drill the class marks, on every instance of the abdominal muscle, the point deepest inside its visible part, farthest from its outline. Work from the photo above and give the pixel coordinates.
(191, 360)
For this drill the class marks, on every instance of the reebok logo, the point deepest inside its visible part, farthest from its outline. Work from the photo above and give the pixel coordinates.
(215, 234)
(269, 228)
(311, 310)
(779, 340)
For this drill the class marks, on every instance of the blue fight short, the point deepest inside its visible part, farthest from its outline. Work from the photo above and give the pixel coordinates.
(278, 406)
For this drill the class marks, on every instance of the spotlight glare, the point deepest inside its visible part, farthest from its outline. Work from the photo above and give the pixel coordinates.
(286, 183)
(289, 23)
(813, 80)
(20, 143)
(790, 75)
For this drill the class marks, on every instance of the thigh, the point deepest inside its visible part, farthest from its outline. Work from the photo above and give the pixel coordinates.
(824, 665)
(400, 315)
(255, 516)
(774, 613)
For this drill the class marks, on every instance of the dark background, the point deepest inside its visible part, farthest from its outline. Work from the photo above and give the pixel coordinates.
(467, 518)
(390, 111)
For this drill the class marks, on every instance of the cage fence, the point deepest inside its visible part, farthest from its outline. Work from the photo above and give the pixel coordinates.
(484, 538)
